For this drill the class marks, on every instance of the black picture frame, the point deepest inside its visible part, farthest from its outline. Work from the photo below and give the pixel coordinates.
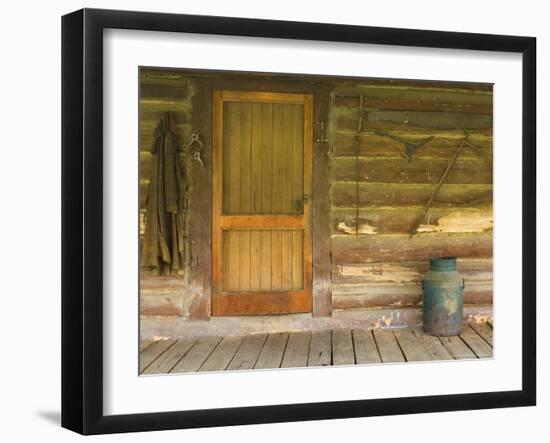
(82, 220)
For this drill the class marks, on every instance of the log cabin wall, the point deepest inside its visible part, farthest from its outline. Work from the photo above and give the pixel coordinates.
(377, 193)
(163, 91)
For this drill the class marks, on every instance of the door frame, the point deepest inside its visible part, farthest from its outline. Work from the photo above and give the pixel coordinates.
(199, 282)
(260, 302)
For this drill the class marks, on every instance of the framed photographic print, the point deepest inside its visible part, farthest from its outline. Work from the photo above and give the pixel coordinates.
(269, 221)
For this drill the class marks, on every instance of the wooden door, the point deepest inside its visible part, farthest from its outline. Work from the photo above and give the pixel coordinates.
(261, 205)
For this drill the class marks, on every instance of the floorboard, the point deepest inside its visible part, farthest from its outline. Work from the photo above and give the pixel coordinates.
(167, 360)
(342, 347)
(152, 352)
(197, 355)
(320, 349)
(316, 348)
(411, 346)
(222, 355)
(387, 346)
(297, 350)
(365, 347)
(144, 344)
(247, 355)
(474, 341)
(272, 353)
(457, 348)
(485, 331)
(432, 345)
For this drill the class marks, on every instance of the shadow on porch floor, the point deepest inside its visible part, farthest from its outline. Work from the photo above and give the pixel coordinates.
(317, 348)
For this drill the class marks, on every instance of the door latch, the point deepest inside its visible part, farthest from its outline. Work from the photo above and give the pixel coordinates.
(299, 204)
(322, 138)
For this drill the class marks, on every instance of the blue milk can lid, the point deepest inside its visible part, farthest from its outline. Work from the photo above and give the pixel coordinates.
(443, 263)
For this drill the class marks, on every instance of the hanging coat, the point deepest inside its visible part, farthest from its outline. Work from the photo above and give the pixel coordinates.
(163, 243)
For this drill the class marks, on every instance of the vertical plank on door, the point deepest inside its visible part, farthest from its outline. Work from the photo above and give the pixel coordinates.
(234, 163)
(233, 259)
(245, 159)
(297, 259)
(226, 157)
(225, 260)
(265, 260)
(245, 258)
(278, 160)
(255, 263)
(286, 259)
(287, 203)
(276, 260)
(298, 157)
(267, 158)
(256, 158)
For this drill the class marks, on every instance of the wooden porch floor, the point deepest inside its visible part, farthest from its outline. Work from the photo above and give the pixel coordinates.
(317, 348)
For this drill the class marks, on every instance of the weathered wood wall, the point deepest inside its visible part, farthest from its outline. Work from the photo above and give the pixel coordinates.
(377, 193)
(160, 92)
(374, 264)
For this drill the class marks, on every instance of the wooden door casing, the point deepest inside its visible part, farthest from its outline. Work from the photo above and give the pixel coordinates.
(261, 203)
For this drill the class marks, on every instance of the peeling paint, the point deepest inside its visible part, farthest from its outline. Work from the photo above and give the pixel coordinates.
(451, 305)
(160, 337)
(364, 228)
(479, 318)
(382, 272)
(460, 222)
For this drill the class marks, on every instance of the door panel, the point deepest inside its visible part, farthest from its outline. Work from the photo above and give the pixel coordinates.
(262, 260)
(261, 213)
(262, 158)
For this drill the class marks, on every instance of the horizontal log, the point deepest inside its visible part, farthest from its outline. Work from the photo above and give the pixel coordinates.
(419, 170)
(442, 145)
(346, 118)
(163, 104)
(343, 194)
(443, 97)
(397, 104)
(427, 119)
(377, 248)
(150, 282)
(181, 92)
(149, 119)
(160, 304)
(400, 220)
(163, 77)
(379, 296)
(397, 273)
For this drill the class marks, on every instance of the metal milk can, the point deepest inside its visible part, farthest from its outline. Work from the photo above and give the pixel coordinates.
(443, 298)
